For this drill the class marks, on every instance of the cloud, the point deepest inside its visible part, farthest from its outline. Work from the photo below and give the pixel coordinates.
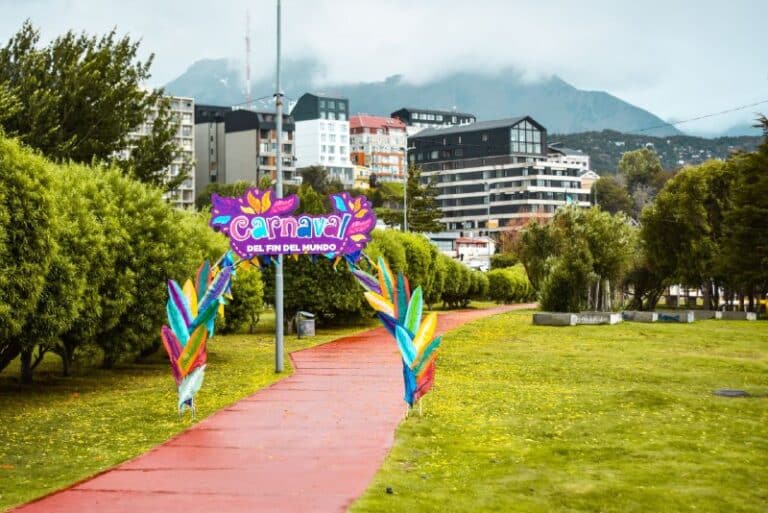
(677, 59)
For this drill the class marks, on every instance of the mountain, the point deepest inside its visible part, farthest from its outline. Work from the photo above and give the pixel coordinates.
(606, 147)
(742, 129)
(556, 104)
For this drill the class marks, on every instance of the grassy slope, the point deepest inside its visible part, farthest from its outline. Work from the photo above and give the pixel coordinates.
(589, 418)
(64, 429)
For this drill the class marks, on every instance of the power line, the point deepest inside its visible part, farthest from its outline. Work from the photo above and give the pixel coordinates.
(710, 115)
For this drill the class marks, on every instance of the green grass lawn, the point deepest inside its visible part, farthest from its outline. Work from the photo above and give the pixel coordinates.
(61, 430)
(588, 418)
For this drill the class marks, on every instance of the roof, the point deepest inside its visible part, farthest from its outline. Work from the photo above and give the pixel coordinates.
(472, 127)
(366, 121)
(324, 96)
(468, 240)
(556, 147)
(433, 111)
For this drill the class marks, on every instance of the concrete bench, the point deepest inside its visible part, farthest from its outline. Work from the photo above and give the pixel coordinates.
(736, 316)
(676, 316)
(702, 315)
(599, 318)
(635, 316)
(554, 319)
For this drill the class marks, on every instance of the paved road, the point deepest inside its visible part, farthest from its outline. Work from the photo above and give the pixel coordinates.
(310, 442)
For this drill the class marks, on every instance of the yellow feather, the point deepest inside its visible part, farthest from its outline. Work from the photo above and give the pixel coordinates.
(379, 303)
(425, 333)
(191, 295)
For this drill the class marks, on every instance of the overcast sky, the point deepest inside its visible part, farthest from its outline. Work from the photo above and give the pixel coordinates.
(678, 59)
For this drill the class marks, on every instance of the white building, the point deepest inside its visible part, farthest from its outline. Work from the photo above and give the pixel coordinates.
(183, 111)
(322, 135)
(558, 154)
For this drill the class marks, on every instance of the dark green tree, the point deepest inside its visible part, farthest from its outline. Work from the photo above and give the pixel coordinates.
(423, 209)
(27, 241)
(315, 177)
(611, 196)
(78, 97)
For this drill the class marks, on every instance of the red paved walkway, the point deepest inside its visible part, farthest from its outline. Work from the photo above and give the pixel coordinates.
(311, 442)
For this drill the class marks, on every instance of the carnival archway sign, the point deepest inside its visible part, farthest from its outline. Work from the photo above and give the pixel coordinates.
(260, 227)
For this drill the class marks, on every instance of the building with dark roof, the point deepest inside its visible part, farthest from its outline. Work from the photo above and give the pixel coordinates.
(495, 175)
(418, 119)
(240, 145)
(322, 135)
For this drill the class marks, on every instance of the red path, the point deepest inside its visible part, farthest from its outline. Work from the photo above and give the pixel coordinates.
(310, 442)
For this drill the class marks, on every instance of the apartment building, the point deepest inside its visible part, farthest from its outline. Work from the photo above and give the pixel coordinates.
(379, 144)
(419, 119)
(322, 135)
(241, 145)
(495, 175)
(182, 110)
(562, 155)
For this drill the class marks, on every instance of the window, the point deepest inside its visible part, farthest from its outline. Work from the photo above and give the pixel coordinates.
(453, 120)
(439, 117)
(342, 106)
(433, 155)
(331, 104)
(342, 149)
(332, 137)
(485, 137)
(341, 116)
(458, 152)
(331, 149)
(343, 139)
(322, 104)
(322, 114)
(322, 137)
(322, 148)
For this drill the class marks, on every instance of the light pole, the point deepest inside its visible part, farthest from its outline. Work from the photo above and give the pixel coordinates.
(279, 193)
(405, 186)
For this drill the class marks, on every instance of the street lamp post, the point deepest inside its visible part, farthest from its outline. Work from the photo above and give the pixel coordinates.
(405, 187)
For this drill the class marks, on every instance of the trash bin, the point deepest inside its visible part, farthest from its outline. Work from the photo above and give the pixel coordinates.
(305, 324)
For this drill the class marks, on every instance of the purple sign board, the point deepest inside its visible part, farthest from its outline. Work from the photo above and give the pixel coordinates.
(258, 224)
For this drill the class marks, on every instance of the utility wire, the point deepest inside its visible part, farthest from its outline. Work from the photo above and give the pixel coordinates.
(704, 116)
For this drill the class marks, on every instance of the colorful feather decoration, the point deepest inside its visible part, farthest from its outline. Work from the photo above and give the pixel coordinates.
(401, 311)
(192, 312)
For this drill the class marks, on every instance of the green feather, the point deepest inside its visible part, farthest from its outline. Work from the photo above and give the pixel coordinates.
(413, 316)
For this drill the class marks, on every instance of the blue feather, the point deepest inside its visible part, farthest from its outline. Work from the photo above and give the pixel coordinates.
(339, 203)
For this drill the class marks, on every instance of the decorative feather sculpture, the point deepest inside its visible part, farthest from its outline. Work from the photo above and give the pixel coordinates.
(192, 311)
(400, 311)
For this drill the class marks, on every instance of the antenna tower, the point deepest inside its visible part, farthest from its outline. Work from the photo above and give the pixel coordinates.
(248, 99)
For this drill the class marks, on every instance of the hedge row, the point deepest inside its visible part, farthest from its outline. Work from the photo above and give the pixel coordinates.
(510, 285)
(85, 253)
(332, 293)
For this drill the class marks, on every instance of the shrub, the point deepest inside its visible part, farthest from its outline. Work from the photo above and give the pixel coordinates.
(247, 301)
(503, 260)
(509, 285)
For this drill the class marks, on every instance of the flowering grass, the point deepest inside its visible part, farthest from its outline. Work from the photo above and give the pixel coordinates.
(62, 430)
(588, 418)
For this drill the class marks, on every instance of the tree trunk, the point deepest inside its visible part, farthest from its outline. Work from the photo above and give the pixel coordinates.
(8, 353)
(26, 365)
(751, 301)
(66, 358)
(706, 293)
(607, 307)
